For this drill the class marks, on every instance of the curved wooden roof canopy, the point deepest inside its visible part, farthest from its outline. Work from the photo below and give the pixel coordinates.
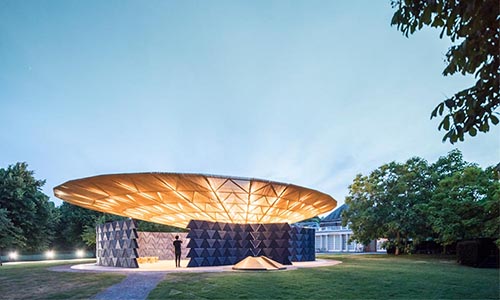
(176, 198)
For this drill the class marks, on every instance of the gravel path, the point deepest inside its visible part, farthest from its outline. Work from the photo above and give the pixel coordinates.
(135, 286)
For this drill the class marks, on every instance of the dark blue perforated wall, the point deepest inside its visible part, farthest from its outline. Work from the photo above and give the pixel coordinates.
(216, 243)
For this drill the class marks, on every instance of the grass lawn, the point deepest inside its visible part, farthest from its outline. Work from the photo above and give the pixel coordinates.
(34, 281)
(358, 277)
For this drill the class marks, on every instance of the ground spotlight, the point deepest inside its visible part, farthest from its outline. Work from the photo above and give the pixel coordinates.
(13, 255)
(79, 253)
(50, 254)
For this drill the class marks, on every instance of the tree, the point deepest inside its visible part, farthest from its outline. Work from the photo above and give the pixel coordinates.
(447, 165)
(27, 208)
(362, 215)
(77, 225)
(447, 201)
(390, 203)
(474, 25)
(88, 235)
(9, 234)
(465, 206)
(492, 206)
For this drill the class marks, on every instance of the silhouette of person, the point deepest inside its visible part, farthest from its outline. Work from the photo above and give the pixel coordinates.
(177, 248)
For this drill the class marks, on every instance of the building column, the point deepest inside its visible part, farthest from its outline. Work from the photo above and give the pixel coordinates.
(333, 236)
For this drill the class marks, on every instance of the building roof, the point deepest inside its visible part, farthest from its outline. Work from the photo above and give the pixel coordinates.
(336, 215)
(176, 198)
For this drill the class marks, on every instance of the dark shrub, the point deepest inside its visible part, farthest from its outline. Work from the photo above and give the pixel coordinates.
(390, 247)
(431, 247)
(480, 253)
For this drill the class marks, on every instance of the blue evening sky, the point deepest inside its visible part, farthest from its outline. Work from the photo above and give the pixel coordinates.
(306, 92)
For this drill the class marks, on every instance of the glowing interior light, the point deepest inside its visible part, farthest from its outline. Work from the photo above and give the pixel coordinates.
(13, 255)
(79, 253)
(50, 254)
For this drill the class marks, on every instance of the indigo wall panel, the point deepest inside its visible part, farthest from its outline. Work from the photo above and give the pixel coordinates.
(302, 244)
(216, 243)
(116, 244)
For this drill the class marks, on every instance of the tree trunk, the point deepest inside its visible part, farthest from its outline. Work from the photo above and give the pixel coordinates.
(444, 249)
(397, 245)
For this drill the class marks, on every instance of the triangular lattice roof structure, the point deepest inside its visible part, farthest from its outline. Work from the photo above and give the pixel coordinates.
(176, 198)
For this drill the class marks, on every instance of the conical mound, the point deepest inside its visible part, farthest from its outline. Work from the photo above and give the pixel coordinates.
(260, 263)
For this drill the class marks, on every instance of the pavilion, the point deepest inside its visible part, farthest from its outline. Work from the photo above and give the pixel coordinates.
(229, 218)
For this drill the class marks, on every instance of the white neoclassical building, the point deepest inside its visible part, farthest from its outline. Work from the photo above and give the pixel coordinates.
(331, 236)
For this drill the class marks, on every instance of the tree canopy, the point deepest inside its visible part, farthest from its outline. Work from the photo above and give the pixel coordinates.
(388, 203)
(10, 235)
(465, 205)
(474, 26)
(73, 226)
(447, 201)
(26, 210)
